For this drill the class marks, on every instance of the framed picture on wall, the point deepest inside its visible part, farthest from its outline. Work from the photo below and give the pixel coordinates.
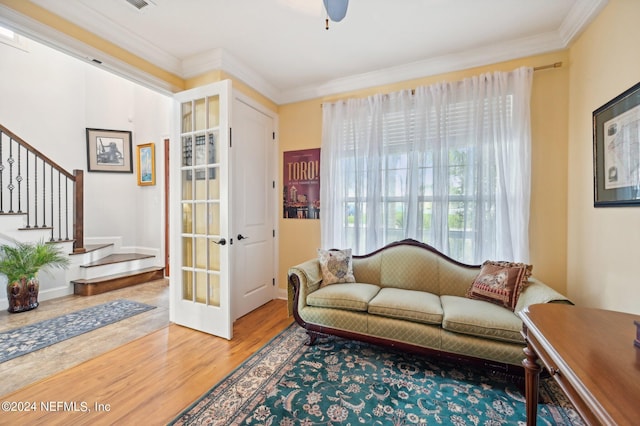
(146, 164)
(109, 151)
(301, 191)
(616, 151)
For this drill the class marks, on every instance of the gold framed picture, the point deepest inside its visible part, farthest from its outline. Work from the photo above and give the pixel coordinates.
(146, 164)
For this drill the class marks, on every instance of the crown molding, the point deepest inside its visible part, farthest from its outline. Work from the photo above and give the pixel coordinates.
(118, 34)
(73, 47)
(199, 64)
(581, 14)
(220, 59)
(499, 52)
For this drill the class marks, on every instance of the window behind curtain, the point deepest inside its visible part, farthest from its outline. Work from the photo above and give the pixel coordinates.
(436, 165)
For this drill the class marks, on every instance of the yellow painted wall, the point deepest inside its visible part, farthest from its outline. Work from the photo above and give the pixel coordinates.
(301, 128)
(602, 242)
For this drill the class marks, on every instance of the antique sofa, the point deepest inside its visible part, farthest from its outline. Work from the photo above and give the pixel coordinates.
(412, 297)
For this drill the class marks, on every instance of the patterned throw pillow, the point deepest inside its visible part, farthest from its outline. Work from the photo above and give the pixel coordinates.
(336, 266)
(500, 283)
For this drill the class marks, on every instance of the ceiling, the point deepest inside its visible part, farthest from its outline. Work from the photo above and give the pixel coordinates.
(282, 49)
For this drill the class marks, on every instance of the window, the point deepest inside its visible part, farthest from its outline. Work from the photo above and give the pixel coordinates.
(443, 165)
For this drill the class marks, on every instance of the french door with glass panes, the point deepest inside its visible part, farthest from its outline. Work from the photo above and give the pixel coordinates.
(201, 244)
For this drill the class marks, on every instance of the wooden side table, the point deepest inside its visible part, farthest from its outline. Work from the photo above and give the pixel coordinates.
(591, 354)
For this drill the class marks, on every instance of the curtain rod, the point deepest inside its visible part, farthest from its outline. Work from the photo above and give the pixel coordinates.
(539, 68)
(546, 67)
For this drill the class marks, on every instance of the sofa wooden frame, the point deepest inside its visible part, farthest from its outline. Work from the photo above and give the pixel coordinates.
(314, 331)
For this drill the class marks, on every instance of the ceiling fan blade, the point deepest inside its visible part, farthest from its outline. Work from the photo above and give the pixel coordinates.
(336, 9)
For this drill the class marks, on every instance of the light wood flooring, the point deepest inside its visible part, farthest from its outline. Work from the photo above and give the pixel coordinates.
(142, 370)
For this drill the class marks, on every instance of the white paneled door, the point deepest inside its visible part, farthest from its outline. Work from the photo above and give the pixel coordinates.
(254, 148)
(200, 214)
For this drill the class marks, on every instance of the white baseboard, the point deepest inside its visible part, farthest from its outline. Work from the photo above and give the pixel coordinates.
(48, 294)
(116, 241)
(282, 294)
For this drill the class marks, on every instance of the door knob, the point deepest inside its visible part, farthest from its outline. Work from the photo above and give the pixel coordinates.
(242, 237)
(221, 242)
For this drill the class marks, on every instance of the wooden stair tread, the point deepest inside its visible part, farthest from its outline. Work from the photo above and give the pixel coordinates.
(90, 287)
(117, 258)
(36, 228)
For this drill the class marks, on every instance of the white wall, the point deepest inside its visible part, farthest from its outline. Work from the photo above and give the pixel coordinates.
(602, 242)
(48, 99)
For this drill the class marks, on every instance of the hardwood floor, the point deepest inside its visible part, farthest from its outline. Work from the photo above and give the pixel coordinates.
(35, 366)
(147, 381)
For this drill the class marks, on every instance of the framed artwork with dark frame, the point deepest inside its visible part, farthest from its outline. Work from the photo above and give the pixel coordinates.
(616, 151)
(109, 151)
(146, 164)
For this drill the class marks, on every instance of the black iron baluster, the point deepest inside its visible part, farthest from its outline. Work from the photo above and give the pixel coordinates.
(19, 180)
(10, 187)
(44, 194)
(27, 188)
(51, 198)
(66, 208)
(35, 192)
(59, 209)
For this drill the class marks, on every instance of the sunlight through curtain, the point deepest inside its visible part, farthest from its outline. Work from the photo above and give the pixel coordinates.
(448, 164)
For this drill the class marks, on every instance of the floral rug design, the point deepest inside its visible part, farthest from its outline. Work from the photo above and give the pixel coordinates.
(345, 382)
(21, 341)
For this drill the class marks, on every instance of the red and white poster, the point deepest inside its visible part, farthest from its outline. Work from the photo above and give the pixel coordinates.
(301, 192)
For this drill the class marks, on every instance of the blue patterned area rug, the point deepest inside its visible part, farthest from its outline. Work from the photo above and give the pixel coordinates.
(21, 341)
(349, 383)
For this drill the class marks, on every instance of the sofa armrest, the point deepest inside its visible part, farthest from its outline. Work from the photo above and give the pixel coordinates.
(308, 276)
(539, 292)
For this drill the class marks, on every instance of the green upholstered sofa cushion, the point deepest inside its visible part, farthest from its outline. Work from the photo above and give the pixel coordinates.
(411, 305)
(350, 296)
(480, 318)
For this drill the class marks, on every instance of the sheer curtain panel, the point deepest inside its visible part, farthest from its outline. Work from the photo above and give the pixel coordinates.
(446, 164)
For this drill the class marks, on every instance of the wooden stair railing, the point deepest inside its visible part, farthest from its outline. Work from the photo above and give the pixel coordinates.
(32, 184)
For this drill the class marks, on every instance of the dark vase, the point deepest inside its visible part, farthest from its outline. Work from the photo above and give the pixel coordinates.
(23, 295)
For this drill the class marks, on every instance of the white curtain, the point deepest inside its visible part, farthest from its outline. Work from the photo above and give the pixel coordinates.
(448, 164)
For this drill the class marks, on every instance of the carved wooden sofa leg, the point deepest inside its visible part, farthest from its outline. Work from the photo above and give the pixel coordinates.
(313, 336)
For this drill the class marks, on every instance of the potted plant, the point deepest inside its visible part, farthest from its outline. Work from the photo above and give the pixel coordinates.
(21, 263)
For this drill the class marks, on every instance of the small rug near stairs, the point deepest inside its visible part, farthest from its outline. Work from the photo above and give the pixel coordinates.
(345, 382)
(23, 340)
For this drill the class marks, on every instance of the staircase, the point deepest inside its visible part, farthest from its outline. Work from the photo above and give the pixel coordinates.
(100, 268)
(40, 201)
(113, 271)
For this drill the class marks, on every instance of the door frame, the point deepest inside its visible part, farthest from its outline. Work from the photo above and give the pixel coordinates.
(167, 209)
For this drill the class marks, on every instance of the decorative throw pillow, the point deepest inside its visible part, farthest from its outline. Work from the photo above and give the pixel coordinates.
(336, 266)
(500, 283)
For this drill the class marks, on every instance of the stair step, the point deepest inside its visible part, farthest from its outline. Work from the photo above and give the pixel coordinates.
(88, 248)
(35, 228)
(93, 286)
(117, 258)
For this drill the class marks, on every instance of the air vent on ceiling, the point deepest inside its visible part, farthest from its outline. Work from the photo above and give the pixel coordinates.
(140, 4)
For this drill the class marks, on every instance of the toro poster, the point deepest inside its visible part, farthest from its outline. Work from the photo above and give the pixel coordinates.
(301, 192)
